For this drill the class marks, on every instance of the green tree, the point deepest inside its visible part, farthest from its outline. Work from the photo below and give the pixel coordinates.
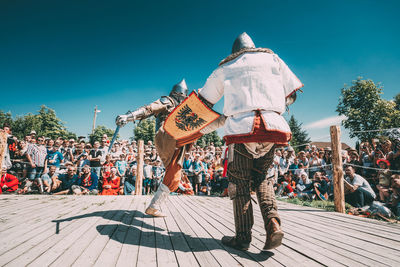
(299, 136)
(50, 125)
(45, 123)
(365, 110)
(98, 133)
(5, 117)
(206, 140)
(23, 125)
(397, 101)
(145, 130)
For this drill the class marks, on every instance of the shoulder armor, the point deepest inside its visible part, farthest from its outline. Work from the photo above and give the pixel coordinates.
(165, 100)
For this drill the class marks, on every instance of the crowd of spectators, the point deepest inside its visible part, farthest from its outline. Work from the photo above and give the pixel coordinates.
(60, 166)
(371, 173)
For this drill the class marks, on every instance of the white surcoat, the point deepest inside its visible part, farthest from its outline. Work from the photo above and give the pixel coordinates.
(252, 81)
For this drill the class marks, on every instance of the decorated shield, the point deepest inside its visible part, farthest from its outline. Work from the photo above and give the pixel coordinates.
(189, 118)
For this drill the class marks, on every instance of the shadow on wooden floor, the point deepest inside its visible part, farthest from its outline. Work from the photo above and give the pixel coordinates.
(139, 233)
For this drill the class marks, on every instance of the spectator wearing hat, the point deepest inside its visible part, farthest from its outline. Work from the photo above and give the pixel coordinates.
(33, 133)
(290, 155)
(384, 177)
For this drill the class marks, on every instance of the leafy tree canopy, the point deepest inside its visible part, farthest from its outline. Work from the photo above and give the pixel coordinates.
(209, 138)
(365, 109)
(45, 123)
(397, 101)
(98, 133)
(145, 130)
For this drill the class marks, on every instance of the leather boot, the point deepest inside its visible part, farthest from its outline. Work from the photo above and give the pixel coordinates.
(274, 235)
(232, 242)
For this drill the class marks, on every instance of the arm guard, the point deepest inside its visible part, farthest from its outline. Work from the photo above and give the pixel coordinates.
(205, 101)
(214, 125)
(139, 114)
(154, 108)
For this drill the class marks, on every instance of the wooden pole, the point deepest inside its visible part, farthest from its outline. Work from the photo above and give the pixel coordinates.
(139, 171)
(338, 184)
(94, 119)
(3, 147)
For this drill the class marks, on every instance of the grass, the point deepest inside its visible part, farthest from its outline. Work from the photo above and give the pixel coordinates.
(330, 206)
(326, 205)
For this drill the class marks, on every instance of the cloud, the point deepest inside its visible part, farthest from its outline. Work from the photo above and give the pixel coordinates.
(324, 123)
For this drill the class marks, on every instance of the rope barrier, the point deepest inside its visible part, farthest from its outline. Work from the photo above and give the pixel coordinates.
(369, 168)
(317, 139)
(378, 130)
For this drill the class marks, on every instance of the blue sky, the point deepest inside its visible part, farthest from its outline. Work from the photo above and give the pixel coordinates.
(119, 55)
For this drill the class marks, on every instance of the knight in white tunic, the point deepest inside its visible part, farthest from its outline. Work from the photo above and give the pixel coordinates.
(257, 87)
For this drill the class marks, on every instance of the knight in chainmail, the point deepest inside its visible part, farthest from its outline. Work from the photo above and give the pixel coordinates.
(170, 150)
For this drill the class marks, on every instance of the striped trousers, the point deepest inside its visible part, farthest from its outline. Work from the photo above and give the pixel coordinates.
(246, 173)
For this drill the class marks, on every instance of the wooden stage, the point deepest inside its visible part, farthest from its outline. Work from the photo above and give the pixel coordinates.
(108, 231)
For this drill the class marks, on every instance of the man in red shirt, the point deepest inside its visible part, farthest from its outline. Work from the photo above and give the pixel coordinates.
(8, 182)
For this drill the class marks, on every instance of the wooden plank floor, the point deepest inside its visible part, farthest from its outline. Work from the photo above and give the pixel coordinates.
(114, 231)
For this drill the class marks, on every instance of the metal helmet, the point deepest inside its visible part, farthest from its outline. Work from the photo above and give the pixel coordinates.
(242, 41)
(179, 91)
